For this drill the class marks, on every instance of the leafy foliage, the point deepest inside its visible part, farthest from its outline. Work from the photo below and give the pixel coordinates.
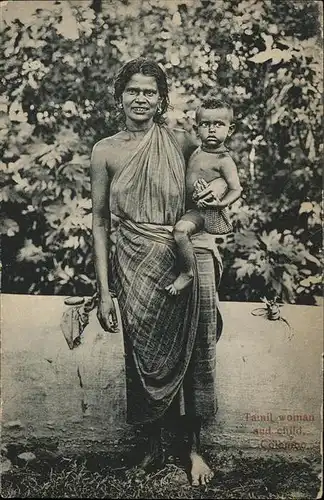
(59, 61)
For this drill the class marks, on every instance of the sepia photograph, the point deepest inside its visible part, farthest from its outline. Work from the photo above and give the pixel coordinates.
(161, 249)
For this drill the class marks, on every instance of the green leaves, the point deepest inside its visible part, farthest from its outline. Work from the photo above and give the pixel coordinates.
(59, 64)
(274, 261)
(31, 253)
(8, 227)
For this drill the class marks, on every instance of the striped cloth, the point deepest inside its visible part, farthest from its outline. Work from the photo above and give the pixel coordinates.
(151, 185)
(170, 342)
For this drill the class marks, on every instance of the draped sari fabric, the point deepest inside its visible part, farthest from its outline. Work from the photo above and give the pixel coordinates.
(151, 185)
(169, 341)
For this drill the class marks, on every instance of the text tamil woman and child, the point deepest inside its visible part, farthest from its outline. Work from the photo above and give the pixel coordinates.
(171, 320)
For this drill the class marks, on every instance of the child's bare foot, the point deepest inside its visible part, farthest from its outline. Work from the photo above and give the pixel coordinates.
(182, 282)
(200, 473)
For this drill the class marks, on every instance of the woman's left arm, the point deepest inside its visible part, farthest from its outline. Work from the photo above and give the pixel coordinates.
(187, 142)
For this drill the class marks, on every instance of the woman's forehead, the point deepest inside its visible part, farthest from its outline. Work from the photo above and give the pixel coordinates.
(142, 81)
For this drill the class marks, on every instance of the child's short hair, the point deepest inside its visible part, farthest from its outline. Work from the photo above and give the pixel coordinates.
(214, 103)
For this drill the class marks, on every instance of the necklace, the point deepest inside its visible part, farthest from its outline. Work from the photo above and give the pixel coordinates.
(137, 130)
(134, 133)
(144, 126)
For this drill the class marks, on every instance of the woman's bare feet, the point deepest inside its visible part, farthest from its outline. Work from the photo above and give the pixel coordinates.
(200, 473)
(154, 457)
(151, 462)
(181, 283)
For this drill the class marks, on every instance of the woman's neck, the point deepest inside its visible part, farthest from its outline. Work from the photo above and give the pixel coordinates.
(134, 127)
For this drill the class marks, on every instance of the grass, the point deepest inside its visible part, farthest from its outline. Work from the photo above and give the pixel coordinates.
(238, 475)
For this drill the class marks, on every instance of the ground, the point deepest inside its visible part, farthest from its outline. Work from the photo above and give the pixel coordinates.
(238, 474)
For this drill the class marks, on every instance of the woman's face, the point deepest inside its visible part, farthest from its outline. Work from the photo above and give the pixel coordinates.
(140, 98)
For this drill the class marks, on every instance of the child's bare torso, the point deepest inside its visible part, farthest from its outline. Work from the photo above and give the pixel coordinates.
(204, 165)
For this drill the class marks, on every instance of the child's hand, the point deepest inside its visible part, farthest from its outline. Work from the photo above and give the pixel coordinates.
(199, 185)
(209, 202)
(209, 198)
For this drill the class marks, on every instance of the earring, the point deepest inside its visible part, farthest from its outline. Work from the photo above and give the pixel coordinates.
(119, 105)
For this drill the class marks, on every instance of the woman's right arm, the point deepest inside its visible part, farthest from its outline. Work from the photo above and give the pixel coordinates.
(100, 191)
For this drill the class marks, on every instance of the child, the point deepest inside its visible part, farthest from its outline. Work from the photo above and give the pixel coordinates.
(212, 184)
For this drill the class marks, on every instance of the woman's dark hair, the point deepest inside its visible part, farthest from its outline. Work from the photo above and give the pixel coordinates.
(145, 67)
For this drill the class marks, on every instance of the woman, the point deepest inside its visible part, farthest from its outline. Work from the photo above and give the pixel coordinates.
(138, 175)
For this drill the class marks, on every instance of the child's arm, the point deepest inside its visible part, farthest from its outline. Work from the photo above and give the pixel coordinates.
(229, 172)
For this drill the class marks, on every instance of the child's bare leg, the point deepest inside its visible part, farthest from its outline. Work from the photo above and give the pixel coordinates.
(181, 233)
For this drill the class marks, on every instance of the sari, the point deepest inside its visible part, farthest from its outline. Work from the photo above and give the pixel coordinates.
(170, 341)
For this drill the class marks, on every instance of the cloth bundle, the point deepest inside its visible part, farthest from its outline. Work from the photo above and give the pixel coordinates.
(217, 220)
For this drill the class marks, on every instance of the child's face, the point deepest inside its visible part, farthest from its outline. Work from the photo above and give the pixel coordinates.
(214, 126)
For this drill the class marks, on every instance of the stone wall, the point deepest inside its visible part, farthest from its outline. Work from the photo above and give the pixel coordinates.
(269, 386)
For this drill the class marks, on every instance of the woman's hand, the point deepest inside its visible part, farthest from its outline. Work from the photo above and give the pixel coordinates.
(106, 314)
